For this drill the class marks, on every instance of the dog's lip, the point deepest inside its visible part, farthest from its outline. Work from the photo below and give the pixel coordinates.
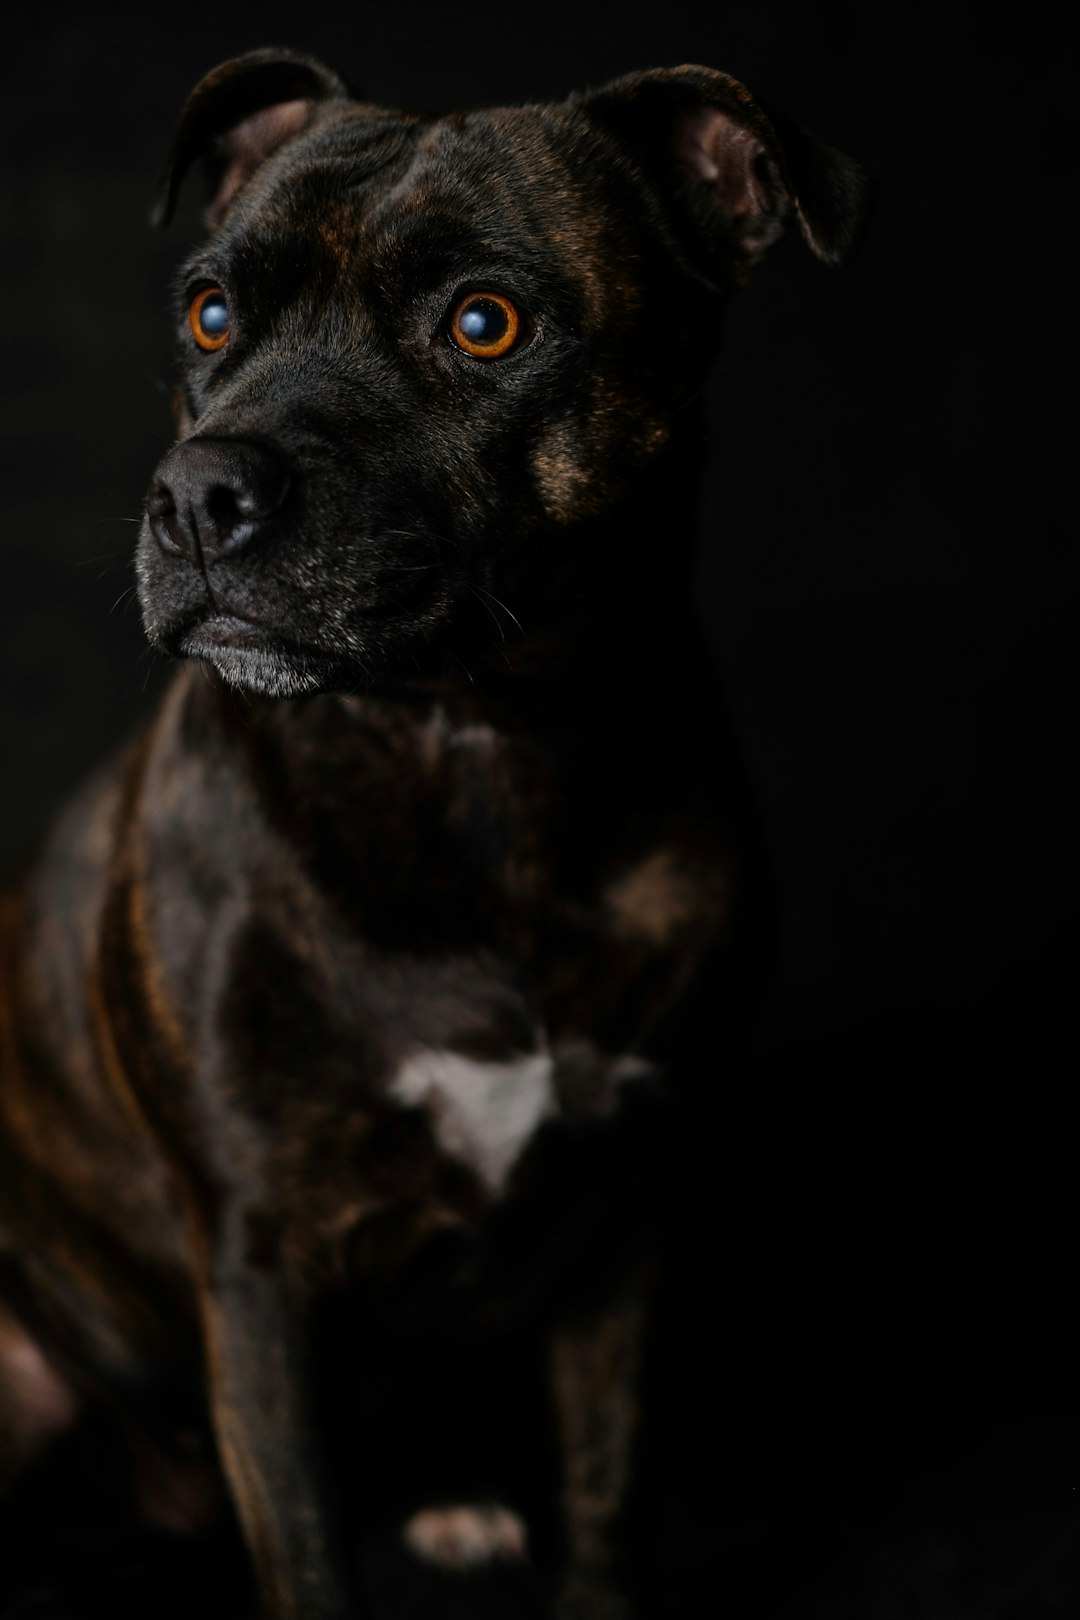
(228, 629)
(236, 633)
(233, 631)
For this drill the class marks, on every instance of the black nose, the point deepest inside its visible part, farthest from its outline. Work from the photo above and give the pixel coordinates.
(212, 496)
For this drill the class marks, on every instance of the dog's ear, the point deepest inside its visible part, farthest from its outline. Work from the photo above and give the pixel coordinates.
(237, 116)
(729, 172)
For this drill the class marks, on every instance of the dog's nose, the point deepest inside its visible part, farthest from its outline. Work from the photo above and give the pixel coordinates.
(212, 496)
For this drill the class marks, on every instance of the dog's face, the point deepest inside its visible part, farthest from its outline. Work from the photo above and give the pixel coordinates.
(433, 369)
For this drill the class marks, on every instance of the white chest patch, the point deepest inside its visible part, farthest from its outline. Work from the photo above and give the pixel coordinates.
(482, 1113)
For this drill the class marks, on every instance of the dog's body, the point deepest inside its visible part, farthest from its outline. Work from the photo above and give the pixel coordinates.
(338, 1016)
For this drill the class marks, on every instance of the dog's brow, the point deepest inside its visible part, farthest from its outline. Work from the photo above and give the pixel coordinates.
(348, 156)
(362, 173)
(443, 246)
(380, 151)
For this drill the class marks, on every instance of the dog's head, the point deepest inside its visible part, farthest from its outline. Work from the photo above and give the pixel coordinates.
(435, 370)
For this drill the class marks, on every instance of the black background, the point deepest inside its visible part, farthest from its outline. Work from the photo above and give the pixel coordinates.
(877, 1323)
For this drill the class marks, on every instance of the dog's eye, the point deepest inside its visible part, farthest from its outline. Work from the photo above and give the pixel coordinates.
(485, 325)
(208, 317)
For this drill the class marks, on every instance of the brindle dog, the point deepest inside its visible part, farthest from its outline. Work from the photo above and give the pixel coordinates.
(339, 1014)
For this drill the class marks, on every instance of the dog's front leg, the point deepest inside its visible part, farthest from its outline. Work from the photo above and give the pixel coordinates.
(596, 1363)
(254, 1331)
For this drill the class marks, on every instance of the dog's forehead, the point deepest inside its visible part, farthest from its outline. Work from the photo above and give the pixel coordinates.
(506, 183)
(506, 168)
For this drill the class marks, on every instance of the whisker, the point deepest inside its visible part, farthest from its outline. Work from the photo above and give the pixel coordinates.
(113, 558)
(429, 534)
(503, 605)
(151, 668)
(492, 616)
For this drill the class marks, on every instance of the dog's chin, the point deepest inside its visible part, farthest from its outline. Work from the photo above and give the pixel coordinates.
(250, 658)
(258, 658)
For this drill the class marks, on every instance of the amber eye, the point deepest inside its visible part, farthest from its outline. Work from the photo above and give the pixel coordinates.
(208, 318)
(486, 325)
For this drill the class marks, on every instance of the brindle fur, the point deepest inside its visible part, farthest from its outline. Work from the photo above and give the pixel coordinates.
(421, 832)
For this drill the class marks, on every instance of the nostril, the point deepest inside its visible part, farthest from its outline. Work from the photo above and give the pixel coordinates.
(223, 506)
(159, 500)
(165, 523)
(262, 489)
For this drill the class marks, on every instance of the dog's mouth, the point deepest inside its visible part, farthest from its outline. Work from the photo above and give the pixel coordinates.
(256, 657)
(222, 629)
(318, 615)
(340, 584)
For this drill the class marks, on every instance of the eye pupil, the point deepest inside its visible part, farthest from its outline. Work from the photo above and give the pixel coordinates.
(484, 321)
(214, 315)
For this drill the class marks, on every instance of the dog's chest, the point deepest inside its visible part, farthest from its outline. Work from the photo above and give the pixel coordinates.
(445, 960)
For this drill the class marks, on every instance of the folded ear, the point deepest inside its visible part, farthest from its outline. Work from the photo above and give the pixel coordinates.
(729, 172)
(237, 116)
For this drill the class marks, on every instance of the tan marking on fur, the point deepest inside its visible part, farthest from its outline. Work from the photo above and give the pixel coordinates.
(338, 233)
(108, 1053)
(650, 437)
(654, 899)
(464, 1538)
(562, 480)
(573, 464)
(151, 976)
(128, 867)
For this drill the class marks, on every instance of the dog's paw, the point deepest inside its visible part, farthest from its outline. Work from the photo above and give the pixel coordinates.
(467, 1537)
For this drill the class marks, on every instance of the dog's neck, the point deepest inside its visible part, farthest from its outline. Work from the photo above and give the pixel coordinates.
(540, 746)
